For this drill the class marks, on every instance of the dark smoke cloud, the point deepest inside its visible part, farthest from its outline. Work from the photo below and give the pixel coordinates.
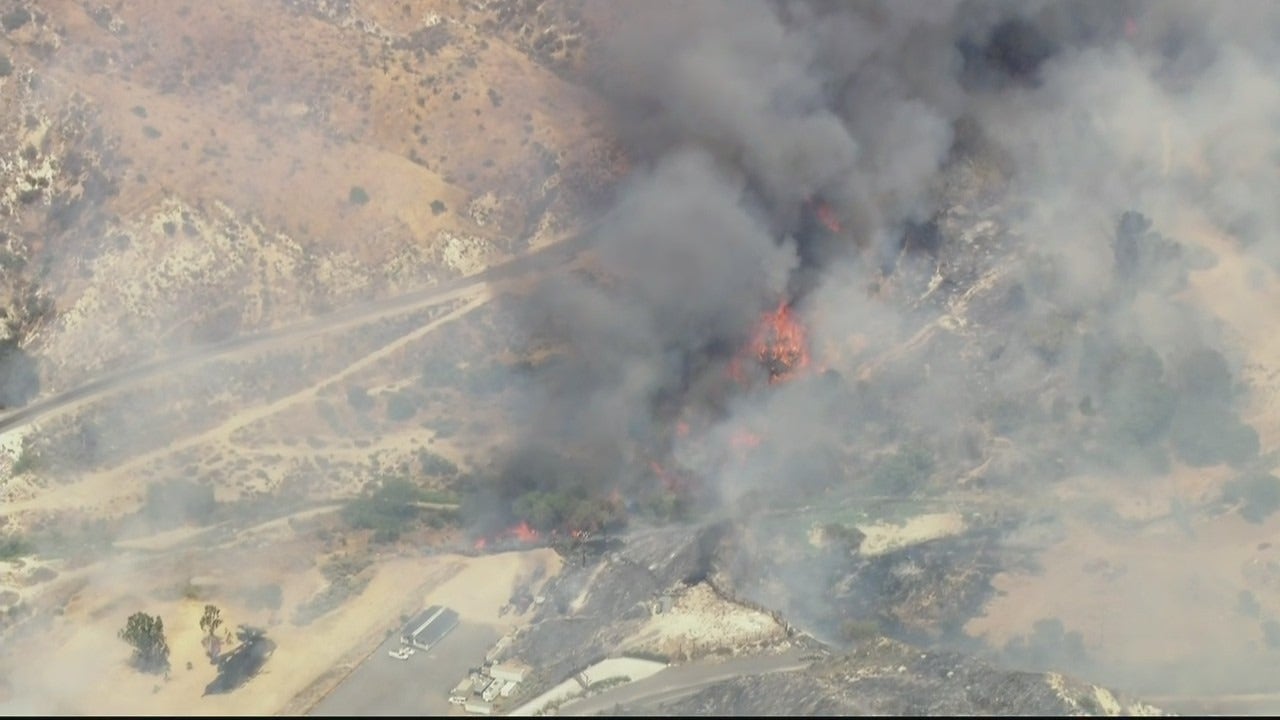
(690, 266)
(1039, 124)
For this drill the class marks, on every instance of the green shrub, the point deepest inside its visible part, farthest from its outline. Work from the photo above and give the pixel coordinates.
(436, 465)
(389, 510)
(28, 459)
(357, 196)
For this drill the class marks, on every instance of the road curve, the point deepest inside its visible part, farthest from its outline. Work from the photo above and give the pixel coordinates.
(544, 258)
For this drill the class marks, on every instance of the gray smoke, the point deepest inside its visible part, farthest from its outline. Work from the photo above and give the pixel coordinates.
(1046, 121)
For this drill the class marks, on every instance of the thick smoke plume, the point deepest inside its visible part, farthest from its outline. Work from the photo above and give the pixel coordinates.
(842, 158)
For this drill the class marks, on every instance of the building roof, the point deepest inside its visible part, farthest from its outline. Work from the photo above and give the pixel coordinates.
(430, 626)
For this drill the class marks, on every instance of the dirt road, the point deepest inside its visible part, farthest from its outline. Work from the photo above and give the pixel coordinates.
(545, 258)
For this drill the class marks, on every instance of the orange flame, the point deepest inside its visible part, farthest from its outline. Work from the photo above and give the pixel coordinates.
(682, 429)
(781, 344)
(744, 440)
(827, 216)
(523, 533)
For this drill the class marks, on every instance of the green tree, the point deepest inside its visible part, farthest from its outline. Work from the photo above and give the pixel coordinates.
(210, 621)
(391, 508)
(146, 634)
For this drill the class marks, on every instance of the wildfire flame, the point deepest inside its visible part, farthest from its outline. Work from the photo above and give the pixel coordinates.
(523, 533)
(781, 344)
(827, 216)
(744, 440)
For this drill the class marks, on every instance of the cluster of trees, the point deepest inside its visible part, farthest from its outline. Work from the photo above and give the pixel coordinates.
(436, 465)
(145, 633)
(554, 510)
(1191, 405)
(392, 506)
(210, 621)
(548, 490)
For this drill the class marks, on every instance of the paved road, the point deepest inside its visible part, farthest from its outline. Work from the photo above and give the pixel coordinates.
(418, 686)
(681, 680)
(542, 259)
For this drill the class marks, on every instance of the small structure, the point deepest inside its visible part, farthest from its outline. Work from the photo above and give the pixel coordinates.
(509, 672)
(429, 627)
(478, 708)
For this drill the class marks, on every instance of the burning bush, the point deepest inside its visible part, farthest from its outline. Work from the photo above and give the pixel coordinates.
(779, 345)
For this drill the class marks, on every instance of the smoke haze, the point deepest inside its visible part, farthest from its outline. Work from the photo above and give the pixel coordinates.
(1029, 248)
(1010, 136)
